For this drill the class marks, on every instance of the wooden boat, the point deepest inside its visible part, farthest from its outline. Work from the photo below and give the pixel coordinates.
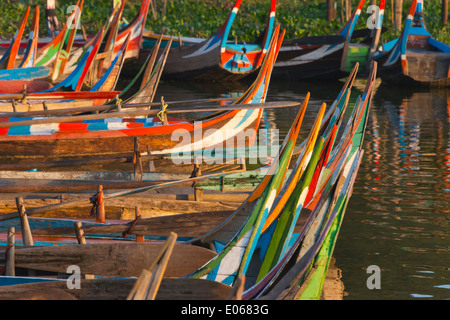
(329, 57)
(58, 50)
(28, 74)
(216, 58)
(115, 134)
(67, 91)
(29, 55)
(110, 259)
(149, 286)
(415, 58)
(258, 206)
(305, 277)
(246, 251)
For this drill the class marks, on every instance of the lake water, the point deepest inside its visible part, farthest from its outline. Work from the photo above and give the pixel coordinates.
(398, 217)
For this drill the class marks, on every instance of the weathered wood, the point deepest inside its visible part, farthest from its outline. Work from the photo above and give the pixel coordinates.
(122, 259)
(150, 205)
(116, 289)
(79, 232)
(88, 200)
(72, 162)
(148, 283)
(186, 225)
(10, 254)
(25, 227)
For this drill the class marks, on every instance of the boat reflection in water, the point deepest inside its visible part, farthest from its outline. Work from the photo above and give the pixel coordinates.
(398, 216)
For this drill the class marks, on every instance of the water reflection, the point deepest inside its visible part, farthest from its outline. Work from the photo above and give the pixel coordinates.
(398, 215)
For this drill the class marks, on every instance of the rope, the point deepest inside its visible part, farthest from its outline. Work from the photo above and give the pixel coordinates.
(162, 112)
(96, 201)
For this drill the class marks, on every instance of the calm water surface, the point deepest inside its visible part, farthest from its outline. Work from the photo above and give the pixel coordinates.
(398, 217)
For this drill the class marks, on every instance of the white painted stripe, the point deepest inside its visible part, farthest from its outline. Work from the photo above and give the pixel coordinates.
(309, 57)
(44, 129)
(216, 136)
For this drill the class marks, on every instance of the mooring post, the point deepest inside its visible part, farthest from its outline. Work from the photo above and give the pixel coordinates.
(101, 216)
(25, 226)
(137, 161)
(79, 233)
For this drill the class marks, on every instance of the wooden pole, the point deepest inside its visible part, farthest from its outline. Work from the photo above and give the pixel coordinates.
(27, 237)
(331, 10)
(398, 14)
(10, 253)
(444, 11)
(79, 233)
(392, 12)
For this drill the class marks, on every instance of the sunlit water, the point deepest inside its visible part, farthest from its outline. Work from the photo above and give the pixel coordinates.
(398, 216)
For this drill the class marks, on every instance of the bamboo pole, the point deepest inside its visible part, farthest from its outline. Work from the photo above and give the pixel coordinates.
(398, 14)
(78, 162)
(331, 10)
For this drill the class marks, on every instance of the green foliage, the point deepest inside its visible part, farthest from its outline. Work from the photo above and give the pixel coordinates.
(202, 18)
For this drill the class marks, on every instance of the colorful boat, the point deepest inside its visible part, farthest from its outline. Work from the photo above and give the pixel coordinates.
(8, 60)
(329, 57)
(336, 162)
(217, 58)
(415, 58)
(112, 134)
